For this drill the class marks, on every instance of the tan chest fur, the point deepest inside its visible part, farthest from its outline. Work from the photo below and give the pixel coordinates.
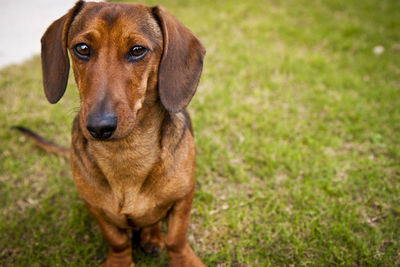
(134, 183)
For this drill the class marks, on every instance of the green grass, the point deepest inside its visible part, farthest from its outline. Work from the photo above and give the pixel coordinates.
(297, 126)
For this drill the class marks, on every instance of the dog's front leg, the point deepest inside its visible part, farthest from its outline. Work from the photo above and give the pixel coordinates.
(120, 246)
(178, 248)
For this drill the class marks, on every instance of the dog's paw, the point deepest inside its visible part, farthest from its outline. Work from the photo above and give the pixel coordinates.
(117, 262)
(119, 259)
(105, 264)
(151, 239)
(151, 248)
(184, 258)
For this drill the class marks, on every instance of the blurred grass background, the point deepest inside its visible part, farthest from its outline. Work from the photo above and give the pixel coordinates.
(297, 121)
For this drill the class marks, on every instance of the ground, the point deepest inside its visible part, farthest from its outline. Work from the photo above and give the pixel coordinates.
(297, 125)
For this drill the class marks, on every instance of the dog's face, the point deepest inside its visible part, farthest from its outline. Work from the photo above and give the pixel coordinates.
(115, 52)
(123, 56)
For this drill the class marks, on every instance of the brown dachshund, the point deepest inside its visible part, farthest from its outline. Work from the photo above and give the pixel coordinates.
(133, 151)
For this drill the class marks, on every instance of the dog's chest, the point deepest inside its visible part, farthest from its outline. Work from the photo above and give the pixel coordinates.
(141, 193)
(139, 203)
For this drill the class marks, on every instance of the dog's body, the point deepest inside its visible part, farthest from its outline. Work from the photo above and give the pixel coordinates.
(133, 151)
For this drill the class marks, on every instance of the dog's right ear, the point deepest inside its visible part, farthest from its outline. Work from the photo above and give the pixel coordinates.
(55, 61)
(181, 63)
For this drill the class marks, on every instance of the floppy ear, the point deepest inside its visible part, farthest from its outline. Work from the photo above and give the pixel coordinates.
(55, 61)
(181, 63)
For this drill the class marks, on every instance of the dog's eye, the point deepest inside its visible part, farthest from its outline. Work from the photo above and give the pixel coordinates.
(137, 53)
(82, 50)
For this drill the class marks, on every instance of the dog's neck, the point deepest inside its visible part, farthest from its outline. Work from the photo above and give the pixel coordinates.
(127, 162)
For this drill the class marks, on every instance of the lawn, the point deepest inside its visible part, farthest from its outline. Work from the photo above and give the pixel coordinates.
(297, 124)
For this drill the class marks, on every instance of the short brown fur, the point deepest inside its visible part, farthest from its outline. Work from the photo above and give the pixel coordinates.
(145, 171)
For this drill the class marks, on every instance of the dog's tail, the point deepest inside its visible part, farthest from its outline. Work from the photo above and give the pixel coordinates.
(43, 143)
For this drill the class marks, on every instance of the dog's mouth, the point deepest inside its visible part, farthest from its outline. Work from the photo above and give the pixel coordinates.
(107, 128)
(112, 124)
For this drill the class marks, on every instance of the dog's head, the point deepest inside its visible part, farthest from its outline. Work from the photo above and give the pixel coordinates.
(122, 55)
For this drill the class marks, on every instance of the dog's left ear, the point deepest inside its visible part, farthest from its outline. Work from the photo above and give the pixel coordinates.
(55, 61)
(181, 63)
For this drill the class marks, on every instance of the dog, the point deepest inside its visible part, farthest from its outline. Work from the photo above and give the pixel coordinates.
(133, 151)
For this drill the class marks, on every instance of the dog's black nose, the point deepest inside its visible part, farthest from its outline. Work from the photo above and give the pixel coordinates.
(101, 126)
